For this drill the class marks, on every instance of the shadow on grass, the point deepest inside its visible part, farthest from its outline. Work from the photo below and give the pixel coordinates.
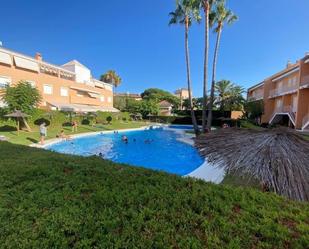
(8, 128)
(32, 140)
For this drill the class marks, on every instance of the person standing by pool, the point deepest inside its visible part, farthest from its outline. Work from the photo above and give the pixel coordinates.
(43, 132)
(74, 126)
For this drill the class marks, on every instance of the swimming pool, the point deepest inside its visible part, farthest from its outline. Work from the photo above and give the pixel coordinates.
(156, 149)
(181, 127)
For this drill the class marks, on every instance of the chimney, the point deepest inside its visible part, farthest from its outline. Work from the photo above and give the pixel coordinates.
(38, 57)
(289, 64)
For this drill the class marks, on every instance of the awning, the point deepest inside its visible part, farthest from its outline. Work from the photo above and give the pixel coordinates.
(93, 95)
(26, 64)
(62, 107)
(107, 109)
(84, 90)
(81, 108)
(5, 58)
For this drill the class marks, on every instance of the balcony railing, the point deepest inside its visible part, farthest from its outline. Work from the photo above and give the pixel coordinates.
(285, 110)
(55, 71)
(281, 91)
(66, 75)
(305, 82)
(255, 97)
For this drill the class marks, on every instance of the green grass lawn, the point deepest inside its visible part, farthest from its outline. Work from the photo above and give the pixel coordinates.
(26, 138)
(50, 200)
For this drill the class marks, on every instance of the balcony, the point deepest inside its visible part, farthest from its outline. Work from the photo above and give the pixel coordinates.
(255, 97)
(67, 76)
(304, 82)
(282, 91)
(56, 71)
(103, 85)
(49, 70)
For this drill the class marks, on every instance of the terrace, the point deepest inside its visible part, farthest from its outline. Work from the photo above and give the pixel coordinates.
(283, 89)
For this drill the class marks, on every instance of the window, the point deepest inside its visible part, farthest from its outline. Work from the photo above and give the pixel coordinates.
(48, 89)
(4, 81)
(64, 92)
(109, 99)
(102, 98)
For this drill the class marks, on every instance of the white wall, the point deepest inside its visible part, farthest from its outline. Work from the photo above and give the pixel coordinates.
(83, 75)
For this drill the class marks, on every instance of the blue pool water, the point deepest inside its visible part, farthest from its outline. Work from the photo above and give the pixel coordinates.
(164, 152)
(181, 127)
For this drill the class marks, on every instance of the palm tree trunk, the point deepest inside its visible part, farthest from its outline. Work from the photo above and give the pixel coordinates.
(206, 10)
(214, 69)
(194, 122)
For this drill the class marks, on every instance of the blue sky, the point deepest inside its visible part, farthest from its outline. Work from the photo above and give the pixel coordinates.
(133, 37)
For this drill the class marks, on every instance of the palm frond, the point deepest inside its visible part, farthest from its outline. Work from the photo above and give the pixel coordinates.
(278, 158)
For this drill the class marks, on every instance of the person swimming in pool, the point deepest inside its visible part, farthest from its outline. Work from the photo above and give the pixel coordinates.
(148, 141)
(125, 139)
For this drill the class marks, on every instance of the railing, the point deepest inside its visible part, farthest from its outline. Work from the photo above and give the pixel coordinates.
(305, 81)
(53, 71)
(67, 76)
(285, 110)
(49, 70)
(100, 84)
(281, 91)
(305, 121)
(255, 97)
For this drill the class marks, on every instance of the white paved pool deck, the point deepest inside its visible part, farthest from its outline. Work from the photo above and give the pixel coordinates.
(205, 172)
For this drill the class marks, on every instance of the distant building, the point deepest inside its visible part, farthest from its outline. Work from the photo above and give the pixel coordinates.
(182, 94)
(69, 87)
(134, 96)
(285, 95)
(165, 108)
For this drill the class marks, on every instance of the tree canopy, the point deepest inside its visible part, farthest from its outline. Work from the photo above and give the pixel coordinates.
(144, 107)
(158, 95)
(22, 97)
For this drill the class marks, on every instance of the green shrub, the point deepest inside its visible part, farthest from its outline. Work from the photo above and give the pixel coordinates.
(109, 119)
(85, 122)
(40, 121)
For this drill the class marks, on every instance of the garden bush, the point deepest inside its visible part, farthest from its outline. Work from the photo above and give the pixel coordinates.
(109, 119)
(85, 122)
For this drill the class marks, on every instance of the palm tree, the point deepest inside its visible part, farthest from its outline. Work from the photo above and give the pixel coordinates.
(221, 16)
(229, 96)
(111, 77)
(223, 91)
(185, 14)
(206, 5)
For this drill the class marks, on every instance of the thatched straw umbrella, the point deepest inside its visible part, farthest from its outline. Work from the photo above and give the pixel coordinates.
(18, 115)
(278, 158)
